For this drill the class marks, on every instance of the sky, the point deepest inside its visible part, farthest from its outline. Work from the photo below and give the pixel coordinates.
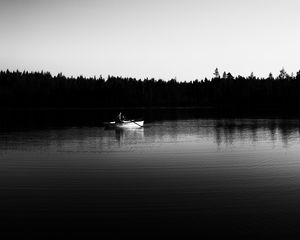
(186, 39)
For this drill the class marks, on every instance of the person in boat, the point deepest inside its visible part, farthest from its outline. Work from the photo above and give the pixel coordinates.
(120, 118)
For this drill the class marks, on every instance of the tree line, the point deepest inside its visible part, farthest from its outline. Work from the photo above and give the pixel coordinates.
(42, 90)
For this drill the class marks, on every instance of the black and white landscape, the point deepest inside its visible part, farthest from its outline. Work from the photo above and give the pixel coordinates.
(150, 118)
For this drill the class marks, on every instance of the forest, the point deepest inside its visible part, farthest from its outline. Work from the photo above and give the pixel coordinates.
(42, 90)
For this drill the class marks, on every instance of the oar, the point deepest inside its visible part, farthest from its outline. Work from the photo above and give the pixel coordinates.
(135, 123)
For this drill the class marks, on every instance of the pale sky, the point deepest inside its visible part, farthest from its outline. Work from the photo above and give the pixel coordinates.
(186, 39)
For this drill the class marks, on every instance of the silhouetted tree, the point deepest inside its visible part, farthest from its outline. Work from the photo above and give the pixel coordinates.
(216, 73)
(252, 77)
(270, 77)
(224, 75)
(283, 74)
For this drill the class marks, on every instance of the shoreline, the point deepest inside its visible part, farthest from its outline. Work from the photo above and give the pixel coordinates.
(106, 108)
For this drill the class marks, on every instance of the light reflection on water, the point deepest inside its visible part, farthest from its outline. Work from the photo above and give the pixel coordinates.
(242, 171)
(216, 133)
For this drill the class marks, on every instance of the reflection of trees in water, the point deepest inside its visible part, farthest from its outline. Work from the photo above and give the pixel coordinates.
(254, 130)
(288, 132)
(60, 139)
(225, 131)
(222, 131)
(71, 139)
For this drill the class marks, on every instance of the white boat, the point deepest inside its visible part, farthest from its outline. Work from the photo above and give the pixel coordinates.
(125, 124)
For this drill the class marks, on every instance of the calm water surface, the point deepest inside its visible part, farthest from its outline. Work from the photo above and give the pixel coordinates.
(215, 176)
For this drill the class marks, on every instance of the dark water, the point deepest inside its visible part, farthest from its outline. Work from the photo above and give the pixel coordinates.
(237, 177)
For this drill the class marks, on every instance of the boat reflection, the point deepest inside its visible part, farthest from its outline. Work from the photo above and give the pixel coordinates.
(129, 135)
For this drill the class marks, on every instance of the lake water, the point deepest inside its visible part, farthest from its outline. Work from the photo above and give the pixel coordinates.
(201, 175)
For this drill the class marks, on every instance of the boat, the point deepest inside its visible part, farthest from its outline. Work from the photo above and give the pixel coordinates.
(125, 124)
(122, 122)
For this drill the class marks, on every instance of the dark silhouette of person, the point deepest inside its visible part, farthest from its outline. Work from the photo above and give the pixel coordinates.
(120, 118)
